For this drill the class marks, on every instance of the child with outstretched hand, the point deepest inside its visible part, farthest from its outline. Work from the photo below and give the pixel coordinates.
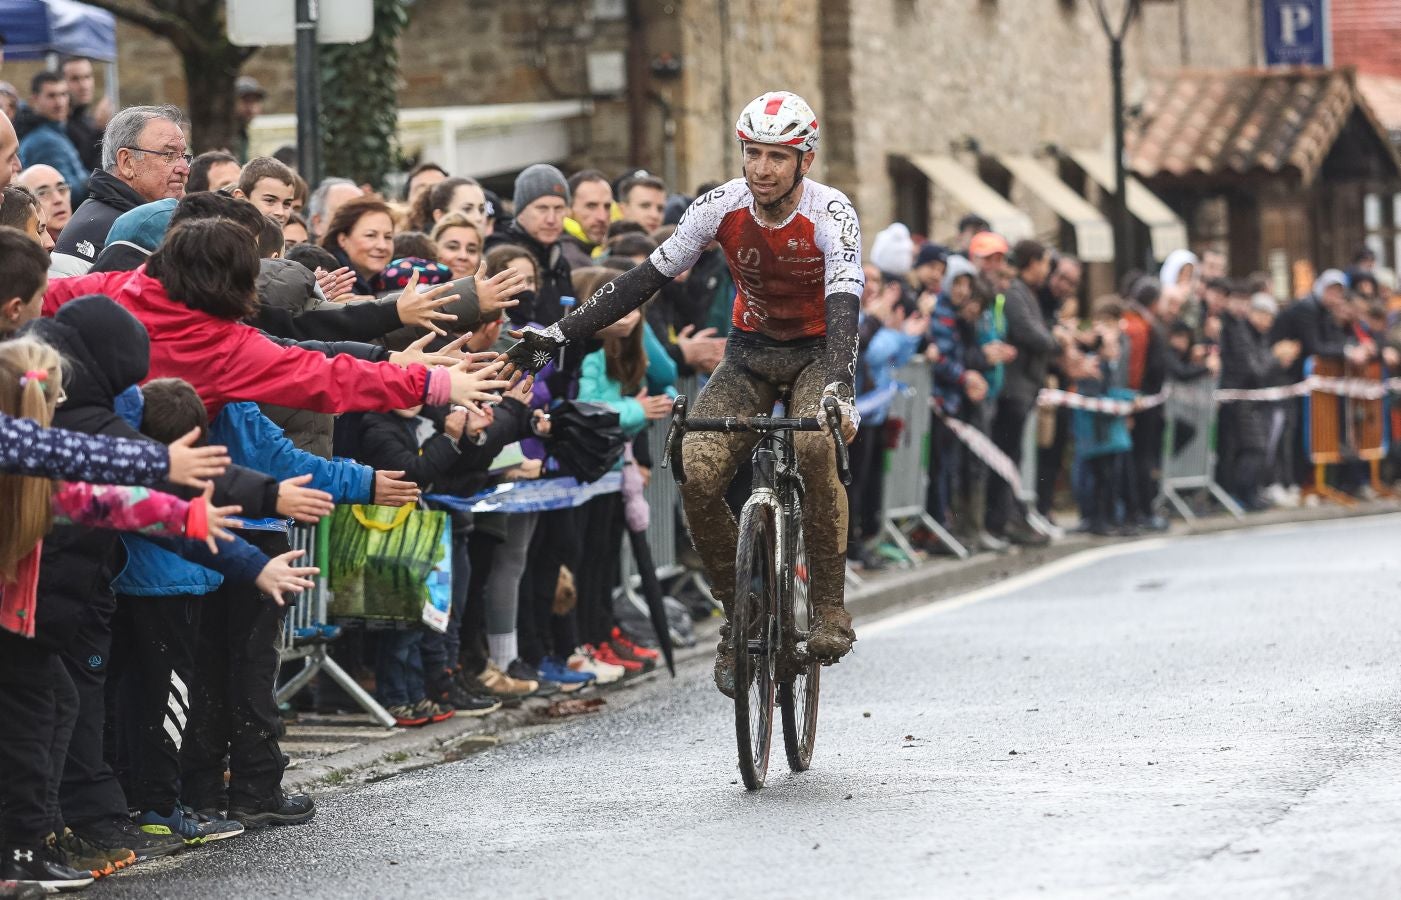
(38, 704)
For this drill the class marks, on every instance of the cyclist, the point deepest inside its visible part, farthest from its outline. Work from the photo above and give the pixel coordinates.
(794, 249)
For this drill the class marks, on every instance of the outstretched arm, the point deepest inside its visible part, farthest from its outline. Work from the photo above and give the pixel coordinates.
(617, 298)
(630, 290)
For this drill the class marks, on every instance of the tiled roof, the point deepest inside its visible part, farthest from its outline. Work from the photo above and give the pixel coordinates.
(1225, 122)
(1383, 94)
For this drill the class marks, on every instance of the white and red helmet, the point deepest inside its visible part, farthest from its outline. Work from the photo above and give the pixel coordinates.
(778, 117)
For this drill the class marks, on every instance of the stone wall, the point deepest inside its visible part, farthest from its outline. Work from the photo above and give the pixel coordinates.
(889, 78)
(1015, 75)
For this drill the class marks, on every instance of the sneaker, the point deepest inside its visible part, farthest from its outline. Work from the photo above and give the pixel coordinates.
(436, 712)
(467, 703)
(28, 890)
(623, 644)
(584, 660)
(45, 865)
(92, 858)
(214, 826)
(185, 824)
(118, 832)
(524, 671)
(406, 716)
(279, 809)
(604, 653)
(499, 684)
(568, 679)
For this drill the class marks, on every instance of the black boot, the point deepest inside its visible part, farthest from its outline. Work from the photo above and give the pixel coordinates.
(279, 809)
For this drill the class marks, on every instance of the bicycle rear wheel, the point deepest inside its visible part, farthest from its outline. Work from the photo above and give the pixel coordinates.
(798, 693)
(754, 631)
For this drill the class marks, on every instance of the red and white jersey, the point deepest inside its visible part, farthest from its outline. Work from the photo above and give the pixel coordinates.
(783, 273)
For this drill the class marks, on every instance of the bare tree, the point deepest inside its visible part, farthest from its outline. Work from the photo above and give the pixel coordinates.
(195, 28)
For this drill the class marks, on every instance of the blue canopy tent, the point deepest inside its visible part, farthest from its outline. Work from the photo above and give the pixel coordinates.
(35, 28)
(41, 29)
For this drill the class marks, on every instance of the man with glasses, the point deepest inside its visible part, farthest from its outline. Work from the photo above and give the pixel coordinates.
(145, 158)
(46, 183)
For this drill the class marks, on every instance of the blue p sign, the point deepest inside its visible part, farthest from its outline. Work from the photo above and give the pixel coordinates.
(1296, 32)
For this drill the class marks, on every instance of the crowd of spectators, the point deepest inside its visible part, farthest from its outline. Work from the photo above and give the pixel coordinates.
(339, 345)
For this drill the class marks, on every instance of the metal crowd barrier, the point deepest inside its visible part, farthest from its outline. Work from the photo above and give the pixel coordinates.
(1189, 447)
(1345, 429)
(906, 470)
(666, 529)
(1027, 495)
(306, 633)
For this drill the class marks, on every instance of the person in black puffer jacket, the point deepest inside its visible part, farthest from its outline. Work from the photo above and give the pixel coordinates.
(107, 352)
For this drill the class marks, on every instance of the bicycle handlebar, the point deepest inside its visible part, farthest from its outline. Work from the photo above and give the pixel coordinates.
(680, 424)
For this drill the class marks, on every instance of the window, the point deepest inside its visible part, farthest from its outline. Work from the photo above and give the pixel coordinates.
(1382, 221)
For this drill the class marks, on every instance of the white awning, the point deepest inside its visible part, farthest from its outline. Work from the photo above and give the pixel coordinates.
(477, 141)
(967, 188)
(1094, 238)
(1167, 232)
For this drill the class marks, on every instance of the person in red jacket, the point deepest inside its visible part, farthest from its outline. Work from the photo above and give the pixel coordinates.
(192, 294)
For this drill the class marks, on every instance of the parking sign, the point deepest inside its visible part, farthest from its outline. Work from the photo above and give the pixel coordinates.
(1297, 33)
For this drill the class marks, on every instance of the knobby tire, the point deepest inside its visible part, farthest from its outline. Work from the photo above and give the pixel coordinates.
(754, 617)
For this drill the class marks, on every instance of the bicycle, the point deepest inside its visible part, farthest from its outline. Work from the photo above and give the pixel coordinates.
(772, 610)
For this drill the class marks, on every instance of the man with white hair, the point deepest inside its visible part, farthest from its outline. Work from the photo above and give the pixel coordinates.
(325, 200)
(54, 193)
(145, 158)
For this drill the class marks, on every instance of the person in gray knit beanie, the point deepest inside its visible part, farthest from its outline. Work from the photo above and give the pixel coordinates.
(540, 180)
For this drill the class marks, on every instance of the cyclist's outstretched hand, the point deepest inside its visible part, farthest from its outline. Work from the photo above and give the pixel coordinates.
(533, 350)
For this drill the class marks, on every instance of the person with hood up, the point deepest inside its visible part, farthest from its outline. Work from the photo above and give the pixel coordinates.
(107, 351)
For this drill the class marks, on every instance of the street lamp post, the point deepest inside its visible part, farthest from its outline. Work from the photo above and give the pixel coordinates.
(1123, 236)
(308, 90)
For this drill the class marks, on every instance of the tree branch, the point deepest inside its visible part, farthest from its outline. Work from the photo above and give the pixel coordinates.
(152, 20)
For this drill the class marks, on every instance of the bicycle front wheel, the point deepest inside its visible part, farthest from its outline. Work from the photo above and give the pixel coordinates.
(798, 692)
(754, 632)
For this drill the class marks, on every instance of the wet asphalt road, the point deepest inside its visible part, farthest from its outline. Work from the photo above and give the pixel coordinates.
(1210, 717)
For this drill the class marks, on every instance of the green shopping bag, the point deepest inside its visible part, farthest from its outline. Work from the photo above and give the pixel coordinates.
(390, 563)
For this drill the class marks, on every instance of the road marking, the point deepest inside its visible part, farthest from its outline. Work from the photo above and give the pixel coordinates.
(1015, 583)
(1089, 558)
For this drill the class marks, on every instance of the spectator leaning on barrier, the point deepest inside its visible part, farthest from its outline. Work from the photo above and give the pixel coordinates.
(54, 194)
(1059, 299)
(144, 158)
(590, 206)
(1034, 344)
(46, 140)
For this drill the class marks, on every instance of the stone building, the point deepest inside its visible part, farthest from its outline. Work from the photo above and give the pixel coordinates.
(929, 107)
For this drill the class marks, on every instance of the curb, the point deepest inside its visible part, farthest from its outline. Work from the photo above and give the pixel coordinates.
(405, 750)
